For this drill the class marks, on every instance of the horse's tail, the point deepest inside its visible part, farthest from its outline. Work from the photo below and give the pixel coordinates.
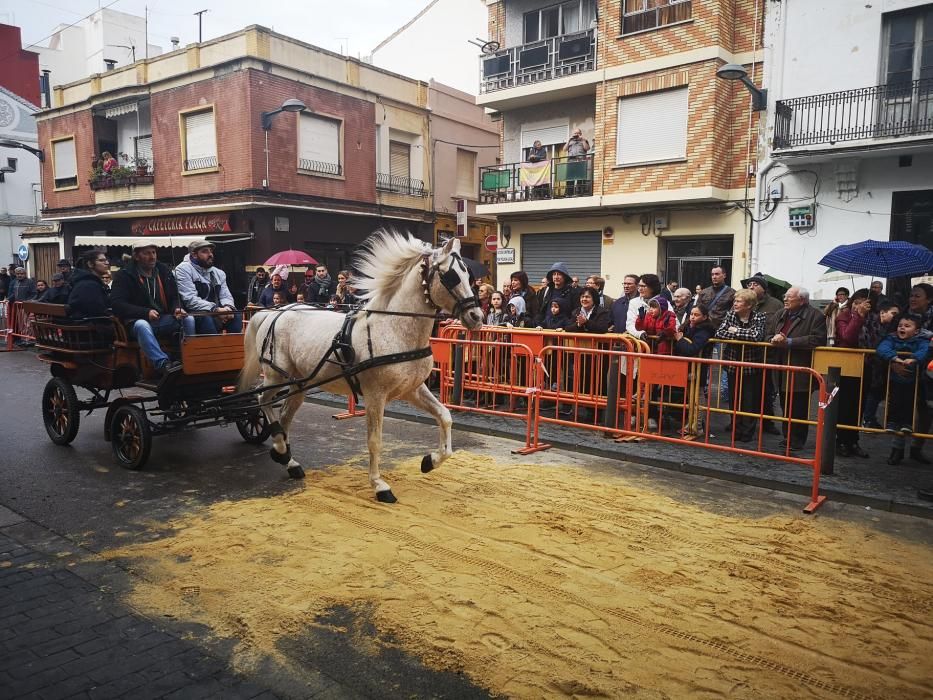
(251, 365)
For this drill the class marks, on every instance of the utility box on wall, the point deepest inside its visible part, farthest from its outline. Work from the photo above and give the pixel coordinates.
(800, 217)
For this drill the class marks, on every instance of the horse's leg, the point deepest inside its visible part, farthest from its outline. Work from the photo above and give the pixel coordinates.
(375, 406)
(281, 449)
(423, 398)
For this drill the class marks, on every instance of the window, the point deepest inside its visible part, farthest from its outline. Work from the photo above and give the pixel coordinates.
(552, 138)
(652, 128)
(399, 160)
(565, 18)
(319, 144)
(909, 54)
(64, 162)
(642, 15)
(466, 173)
(143, 146)
(199, 148)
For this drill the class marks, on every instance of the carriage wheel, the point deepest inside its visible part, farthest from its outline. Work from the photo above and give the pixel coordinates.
(130, 436)
(60, 411)
(255, 428)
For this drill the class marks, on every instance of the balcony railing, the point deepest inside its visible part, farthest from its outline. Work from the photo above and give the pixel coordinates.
(316, 166)
(400, 185)
(542, 60)
(201, 163)
(571, 176)
(123, 177)
(643, 20)
(882, 111)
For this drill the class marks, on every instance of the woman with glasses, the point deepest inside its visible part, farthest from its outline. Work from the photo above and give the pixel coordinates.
(90, 296)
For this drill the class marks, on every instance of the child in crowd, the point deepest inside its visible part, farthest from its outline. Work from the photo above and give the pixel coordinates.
(904, 393)
(876, 327)
(517, 318)
(657, 319)
(497, 315)
(278, 298)
(558, 317)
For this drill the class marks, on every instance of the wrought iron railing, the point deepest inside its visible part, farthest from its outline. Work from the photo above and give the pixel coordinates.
(317, 166)
(882, 111)
(400, 185)
(201, 163)
(571, 176)
(541, 60)
(652, 18)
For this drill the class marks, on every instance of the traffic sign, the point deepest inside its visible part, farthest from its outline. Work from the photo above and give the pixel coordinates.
(491, 243)
(23, 252)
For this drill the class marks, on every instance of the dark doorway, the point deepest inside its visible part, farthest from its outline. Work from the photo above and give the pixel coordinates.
(911, 221)
(689, 260)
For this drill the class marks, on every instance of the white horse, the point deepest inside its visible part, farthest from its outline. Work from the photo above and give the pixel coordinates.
(404, 282)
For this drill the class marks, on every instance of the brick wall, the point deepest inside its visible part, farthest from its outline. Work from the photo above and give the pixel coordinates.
(80, 124)
(497, 22)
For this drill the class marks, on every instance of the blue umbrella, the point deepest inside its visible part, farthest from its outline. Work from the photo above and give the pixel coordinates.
(880, 258)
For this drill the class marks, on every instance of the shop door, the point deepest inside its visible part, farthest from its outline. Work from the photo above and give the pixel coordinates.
(44, 261)
(689, 260)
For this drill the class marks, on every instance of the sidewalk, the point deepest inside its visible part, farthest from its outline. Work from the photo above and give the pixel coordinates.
(869, 482)
(64, 633)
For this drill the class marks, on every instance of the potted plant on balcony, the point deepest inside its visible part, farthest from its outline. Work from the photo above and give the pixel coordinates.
(141, 165)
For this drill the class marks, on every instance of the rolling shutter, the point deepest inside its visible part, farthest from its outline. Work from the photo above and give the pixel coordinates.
(144, 148)
(652, 127)
(200, 141)
(581, 250)
(549, 136)
(66, 165)
(319, 139)
(399, 159)
(466, 173)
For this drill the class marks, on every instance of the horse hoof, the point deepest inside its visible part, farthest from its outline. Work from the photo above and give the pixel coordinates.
(296, 472)
(426, 464)
(281, 458)
(386, 496)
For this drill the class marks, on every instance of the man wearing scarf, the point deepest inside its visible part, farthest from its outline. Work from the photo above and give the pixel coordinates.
(203, 288)
(144, 297)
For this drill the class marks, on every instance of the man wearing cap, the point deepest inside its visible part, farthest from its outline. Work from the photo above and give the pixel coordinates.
(145, 298)
(203, 288)
(58, 292)
(64, 267)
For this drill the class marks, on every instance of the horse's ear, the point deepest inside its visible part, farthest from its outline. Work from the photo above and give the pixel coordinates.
(451, 246)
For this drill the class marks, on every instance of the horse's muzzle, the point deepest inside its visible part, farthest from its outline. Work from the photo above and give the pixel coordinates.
(472, 319)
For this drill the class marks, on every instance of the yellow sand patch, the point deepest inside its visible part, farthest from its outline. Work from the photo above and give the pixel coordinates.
(539, 581)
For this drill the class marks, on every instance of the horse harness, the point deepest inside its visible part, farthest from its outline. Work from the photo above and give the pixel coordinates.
(341, 350)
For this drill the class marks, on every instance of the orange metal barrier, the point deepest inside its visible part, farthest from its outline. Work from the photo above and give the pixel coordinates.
(18, 324)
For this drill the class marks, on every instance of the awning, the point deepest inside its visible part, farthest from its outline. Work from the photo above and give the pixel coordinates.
(179, 241)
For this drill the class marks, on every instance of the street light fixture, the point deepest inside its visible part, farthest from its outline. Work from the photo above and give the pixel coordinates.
(733, 71)
(265, 120)
(37, 152)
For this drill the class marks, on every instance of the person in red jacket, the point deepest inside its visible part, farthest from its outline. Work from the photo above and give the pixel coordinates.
(657, 319)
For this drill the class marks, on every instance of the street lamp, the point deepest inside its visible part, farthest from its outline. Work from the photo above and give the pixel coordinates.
(733, 71)
(265, 120)
(37, 152)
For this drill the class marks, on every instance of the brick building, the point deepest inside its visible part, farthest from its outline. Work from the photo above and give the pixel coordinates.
(670, 169)
(196, 160)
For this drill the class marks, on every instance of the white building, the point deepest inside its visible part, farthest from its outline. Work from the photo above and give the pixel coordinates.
(19, 170)
(77, 51)
(435, 44)
(849, 135)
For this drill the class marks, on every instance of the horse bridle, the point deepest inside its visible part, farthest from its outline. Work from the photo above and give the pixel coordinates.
(450, 279)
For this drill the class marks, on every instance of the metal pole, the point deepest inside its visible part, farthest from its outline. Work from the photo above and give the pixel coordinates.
(266, 133)
(457, 397)
(612, 394)
(830, 418)
(199, 13)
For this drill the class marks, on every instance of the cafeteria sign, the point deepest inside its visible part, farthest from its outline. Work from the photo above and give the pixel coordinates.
(195, 223)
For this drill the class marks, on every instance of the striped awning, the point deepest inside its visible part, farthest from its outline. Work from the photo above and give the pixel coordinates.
(180, 241)
(120, 109)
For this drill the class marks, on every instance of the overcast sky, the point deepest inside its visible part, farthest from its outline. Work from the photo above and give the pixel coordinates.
(348, 26)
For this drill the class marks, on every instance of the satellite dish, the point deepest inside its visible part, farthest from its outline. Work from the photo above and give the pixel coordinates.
(490, 47)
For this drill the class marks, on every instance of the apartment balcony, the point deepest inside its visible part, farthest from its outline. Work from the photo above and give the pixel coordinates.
(551, 184)
(400, 185)
(123, 185)
(530, 74)
(883, 117)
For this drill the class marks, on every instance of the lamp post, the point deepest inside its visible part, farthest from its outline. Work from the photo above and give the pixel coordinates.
(37, 152)
(733, 71)
(265, 121)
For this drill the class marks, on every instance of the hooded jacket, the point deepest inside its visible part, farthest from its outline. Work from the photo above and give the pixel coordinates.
(664, 325)
(202, 288)
(547, 293)
(89, 296)
(519, 317)
(562, 319)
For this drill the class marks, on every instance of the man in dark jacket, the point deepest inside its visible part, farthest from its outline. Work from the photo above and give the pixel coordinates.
(145, 298)
(769, 307)
(58, 292)
(64, 267)
(717, 297)
(559, 284)
(4, 283)
(22, 288)
(320, 288)
(619, 309)
(794, 332)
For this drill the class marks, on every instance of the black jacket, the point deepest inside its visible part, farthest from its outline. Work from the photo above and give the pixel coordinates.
(89, 296)
(130, 300)
(319, 291)
(55, 295)
(598, 322)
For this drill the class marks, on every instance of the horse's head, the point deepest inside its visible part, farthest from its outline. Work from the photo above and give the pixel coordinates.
(448, 285)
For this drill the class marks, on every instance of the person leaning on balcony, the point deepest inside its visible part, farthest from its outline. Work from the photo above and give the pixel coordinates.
(537, 153)
(107, 162)
(795, 332)
(576, 145)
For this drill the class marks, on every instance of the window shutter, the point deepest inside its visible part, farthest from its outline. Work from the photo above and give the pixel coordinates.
(399, 160)
(549, 136)
(652, 127)
(466, 173)
(144, 149)
(66, 165)
(199, 135)
(319, 139)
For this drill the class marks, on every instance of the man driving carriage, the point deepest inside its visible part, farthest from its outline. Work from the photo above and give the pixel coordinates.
(145, 298)
(203, 287)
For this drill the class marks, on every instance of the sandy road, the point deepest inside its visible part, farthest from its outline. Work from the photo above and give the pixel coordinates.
(541, 577)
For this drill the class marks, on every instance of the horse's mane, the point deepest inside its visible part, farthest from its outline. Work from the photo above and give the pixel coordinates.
(382, 259)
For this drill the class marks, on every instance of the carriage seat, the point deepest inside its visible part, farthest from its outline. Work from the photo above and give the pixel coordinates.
(54, 330)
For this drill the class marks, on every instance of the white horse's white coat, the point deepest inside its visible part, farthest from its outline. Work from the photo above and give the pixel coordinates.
(391, 273)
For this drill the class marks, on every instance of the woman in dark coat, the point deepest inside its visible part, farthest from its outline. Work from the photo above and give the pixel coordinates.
(89, 296)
